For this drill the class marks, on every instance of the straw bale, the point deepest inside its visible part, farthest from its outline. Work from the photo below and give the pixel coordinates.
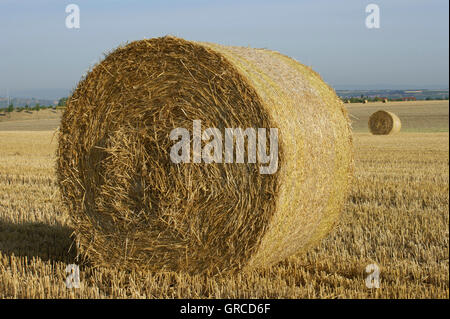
(384, 123)
(132, 207)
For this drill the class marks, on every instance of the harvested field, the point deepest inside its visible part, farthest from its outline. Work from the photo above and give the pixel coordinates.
(43, 120)
(397, 217)
(416, 116)
(30, 115)
(27, 125)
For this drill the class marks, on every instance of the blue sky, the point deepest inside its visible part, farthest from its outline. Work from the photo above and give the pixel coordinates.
(409, 50)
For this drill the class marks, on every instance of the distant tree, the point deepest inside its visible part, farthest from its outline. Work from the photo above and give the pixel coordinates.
(62, 101)
(37, 107)
(26, 106)
(10, 108)
(356, 100)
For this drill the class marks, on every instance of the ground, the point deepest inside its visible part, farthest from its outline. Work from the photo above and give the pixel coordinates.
(42, 120)
(396, 217)
(416, 116)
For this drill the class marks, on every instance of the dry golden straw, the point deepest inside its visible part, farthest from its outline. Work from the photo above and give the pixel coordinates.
(384, 123)
(133, 208)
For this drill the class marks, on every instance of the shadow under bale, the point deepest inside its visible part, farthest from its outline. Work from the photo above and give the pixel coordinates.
(47, 242)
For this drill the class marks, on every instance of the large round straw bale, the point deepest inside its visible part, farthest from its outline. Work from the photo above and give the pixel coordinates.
(384, 123)
(132, 207)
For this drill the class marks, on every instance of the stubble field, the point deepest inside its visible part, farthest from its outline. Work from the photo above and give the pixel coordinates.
(396, 217)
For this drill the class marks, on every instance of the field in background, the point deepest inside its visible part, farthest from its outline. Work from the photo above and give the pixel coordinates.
(396, 217)
(42, 120)
(417, 116)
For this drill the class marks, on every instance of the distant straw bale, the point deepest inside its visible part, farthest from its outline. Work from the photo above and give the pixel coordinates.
(133, 208)
(384, 123)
